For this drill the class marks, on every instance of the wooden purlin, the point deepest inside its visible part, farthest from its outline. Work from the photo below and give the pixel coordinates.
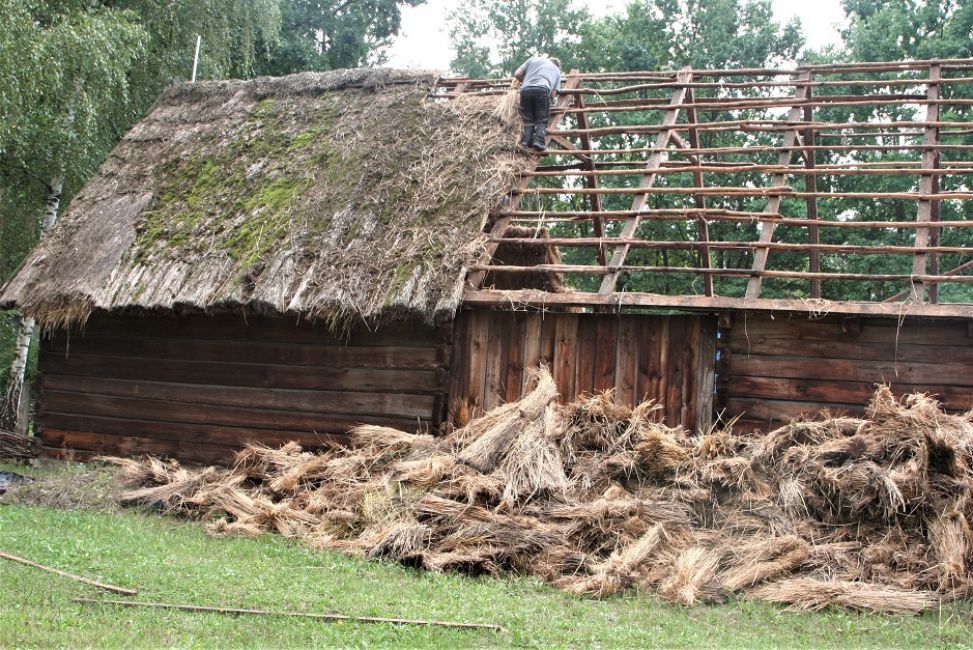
(648, 180)
(791, 138)
(927, 185)
(475, 278)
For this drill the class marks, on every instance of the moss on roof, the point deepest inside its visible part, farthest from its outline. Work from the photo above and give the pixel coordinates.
(341, 195)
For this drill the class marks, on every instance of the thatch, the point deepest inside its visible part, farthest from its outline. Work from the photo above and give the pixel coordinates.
(515, 254)
(337, 195)
(595, 498)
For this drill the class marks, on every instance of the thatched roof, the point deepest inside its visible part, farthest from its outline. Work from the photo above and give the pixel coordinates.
(515, 254)
(340, 195)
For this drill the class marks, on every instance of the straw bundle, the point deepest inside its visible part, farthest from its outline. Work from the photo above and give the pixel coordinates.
(507, 109)
(597, 497)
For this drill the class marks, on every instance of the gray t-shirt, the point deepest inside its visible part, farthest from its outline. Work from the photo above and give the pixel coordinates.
(540, 72)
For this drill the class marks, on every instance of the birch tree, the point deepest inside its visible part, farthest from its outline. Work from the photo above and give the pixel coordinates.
(65, 73)
(74, 76)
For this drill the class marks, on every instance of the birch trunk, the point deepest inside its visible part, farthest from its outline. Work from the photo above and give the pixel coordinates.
(13, 414)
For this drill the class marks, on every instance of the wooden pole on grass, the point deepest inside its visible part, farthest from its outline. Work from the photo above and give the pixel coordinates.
(268, 612)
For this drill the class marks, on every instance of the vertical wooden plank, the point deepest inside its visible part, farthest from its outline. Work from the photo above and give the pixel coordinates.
(565, 354)
(478, 332)
(532, 341)
(689, 362)
(458, 358)
(459, 372)
(547, 326)
(626, 360)
(706, 372)
(584, 376)
(676, 356)
(497, 323)
(515, 356)
(651, 335)
(606, 352)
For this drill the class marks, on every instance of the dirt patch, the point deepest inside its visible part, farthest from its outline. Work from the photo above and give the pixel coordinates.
(66, 485)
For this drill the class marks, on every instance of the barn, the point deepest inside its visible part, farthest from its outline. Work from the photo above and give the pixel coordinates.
(282, 259)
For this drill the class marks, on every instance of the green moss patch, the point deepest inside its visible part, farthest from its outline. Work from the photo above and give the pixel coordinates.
(238, 195)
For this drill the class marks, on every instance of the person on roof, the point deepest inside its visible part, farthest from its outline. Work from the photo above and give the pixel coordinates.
(540, 78)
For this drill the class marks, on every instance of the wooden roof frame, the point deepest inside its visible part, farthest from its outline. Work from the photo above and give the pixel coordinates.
(677, 149)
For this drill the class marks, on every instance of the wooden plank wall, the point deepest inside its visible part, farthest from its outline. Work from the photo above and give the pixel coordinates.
(197, 387)
(666, 358)
(777, 367)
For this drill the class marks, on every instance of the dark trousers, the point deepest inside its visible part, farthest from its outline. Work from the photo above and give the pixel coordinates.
(535, 111)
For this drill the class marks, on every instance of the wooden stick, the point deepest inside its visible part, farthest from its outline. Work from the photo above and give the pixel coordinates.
(728, 272)
(773, 191)
(65, 574)
(727, 168)
(766, 149)
(268, 612)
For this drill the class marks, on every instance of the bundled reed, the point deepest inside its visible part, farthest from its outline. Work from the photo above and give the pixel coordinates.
(597, 497)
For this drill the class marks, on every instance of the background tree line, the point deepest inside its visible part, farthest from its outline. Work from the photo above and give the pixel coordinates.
(75, 75)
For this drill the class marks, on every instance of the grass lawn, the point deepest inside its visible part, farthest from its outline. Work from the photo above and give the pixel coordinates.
(174, 561)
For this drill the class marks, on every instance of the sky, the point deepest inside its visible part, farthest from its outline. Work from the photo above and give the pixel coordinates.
(424, 40)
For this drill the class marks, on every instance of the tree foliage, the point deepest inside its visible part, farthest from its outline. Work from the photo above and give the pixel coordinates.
(494, 38)
(327, 34)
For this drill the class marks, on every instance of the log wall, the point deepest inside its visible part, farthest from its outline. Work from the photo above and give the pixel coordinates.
(669, 359)
(198, 387)
(777, 367)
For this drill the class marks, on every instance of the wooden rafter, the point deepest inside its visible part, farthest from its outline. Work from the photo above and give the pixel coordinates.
(591, 181)
(927, 186)
(791, 138)
(502, 223)
(811, 186)
(588, 169)
(699, 199)
(648, 180)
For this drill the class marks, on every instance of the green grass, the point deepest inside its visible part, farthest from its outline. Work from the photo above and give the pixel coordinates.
(174, 561)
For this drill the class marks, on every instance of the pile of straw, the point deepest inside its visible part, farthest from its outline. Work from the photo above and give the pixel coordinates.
(596, 497)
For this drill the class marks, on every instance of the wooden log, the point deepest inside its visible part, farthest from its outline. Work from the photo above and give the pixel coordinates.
(914, 332)
(877, 371)
(242, 351)
(218, 439)
(841, 347)
(337, 406)
(300, 401)
(257, 376)
(829, 391)
(532, 299)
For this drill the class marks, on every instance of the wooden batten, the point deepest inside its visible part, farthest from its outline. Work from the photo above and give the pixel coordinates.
(198, 387)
